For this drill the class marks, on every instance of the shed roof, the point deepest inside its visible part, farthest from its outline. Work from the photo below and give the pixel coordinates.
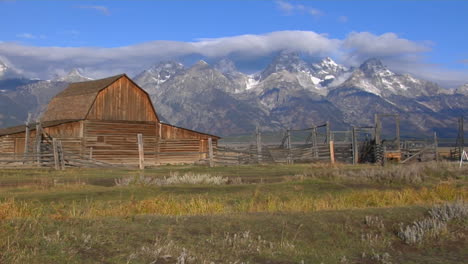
(198, 132)
(22, 128)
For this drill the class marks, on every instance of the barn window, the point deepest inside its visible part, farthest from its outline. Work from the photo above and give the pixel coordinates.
(100, 139)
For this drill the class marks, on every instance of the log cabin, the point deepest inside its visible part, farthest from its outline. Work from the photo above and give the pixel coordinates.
(101, 119)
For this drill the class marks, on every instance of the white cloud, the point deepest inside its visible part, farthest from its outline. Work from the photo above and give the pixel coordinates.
(30, 36)
(290, 9)
(400, 54)
(285, 7)
(102, 9)
(359, 46)
(131, 58)
(343, 19)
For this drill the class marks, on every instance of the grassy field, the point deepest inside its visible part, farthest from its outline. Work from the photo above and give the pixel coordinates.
(242, 214)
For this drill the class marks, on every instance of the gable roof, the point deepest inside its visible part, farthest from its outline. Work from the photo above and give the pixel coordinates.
(76, 100)
(88, 87)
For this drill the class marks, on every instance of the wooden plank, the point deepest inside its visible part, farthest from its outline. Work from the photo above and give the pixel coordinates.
(210, 152)
(141, 154)
(56, 155)
(38, 142)
(332, 152)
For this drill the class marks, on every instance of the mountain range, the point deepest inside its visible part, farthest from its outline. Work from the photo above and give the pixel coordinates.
(289, 92)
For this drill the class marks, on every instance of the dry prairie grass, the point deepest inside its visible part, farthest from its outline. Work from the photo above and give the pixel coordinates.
(177, 205)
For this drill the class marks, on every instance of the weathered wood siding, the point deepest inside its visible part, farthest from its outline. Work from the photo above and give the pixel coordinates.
(122, 100)
(7, 144)
(116, 141)
(180, 151)
(182, 146)
(66, 130)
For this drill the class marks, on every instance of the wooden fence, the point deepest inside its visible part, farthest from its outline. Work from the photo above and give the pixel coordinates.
(315, 144)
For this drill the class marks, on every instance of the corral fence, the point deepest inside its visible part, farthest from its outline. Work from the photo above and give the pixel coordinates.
(44, 151)
(321, 144)
(314, 144)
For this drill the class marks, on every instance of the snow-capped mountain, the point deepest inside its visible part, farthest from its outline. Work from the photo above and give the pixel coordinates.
(3, 69)
(462, 89)
(289, 92)
(327, 70)
(286, 61)
(241, 81)
(8, 73)
(373, 77)
(74, 75)
(158, 74)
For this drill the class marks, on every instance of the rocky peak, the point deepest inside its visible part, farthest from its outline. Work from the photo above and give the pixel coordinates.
(74, 75)
(226, 66)
(200, 65)
(159, 73)
(375, 66)
(373, 77)
(168, 66)
(3, 67)
(286, 61)
(462, 89)
(164, 70)
(327, 70)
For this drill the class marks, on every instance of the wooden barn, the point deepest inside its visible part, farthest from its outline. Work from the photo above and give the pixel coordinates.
(100, 120)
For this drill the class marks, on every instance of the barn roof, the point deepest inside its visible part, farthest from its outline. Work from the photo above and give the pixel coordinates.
(88, 87)
(198, 132)
(22, 128)
(75, 101)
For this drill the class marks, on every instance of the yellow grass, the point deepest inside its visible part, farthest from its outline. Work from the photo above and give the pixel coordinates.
(176, 205)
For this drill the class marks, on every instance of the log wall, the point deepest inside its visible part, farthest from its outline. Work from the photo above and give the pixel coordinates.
(116, 141)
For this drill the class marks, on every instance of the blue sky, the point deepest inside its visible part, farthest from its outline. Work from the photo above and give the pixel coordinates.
(428, 35)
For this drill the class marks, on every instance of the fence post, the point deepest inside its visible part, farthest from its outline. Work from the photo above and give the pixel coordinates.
(259, 145)
(26, 139)
(56, 155)
(436, 147)
(327, 124)
(38, 143)
(210, 152)
(377, 129)
(61, 154)
(397, 119)
(314, 141)
(90, 153)
(354, 144)
(332, 151)
(461, 137)
(288, 145)
(141, 154)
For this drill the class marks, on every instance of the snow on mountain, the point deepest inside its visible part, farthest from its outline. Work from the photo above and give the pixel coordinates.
(243, 82)
(153, 77)
(3, 68)
(462, 89)
(285, 61)
(327, 70)
(8, 72)
(289, 92)
(373, 77)
(74, 75)
(316, 77)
